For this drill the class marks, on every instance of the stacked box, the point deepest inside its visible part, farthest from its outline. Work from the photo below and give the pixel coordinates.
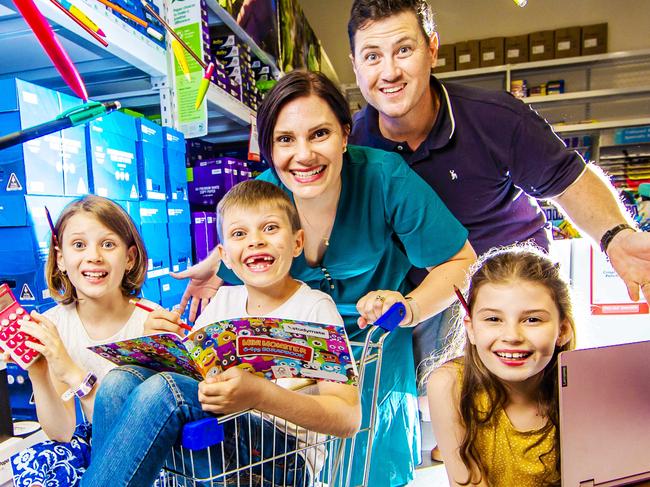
(204, 233)
(594, 39)
(153, 228)
(541, 45)
(491, 52)
(151, 165)
(180, 240)
(174, 158)
(112, 143)
(225, 52)
(76, 178)
(446, 59)
(567, 42)
(467, 55)
(516, 49)
(211, 179)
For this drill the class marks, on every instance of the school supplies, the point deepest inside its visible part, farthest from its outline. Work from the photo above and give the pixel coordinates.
(179, 54)
(203, 87)
(82, 20)
(138, 304)
(273, 348)
(52, 47)
(124, 13)
(12, 340)
(461, 298)
(70, 118)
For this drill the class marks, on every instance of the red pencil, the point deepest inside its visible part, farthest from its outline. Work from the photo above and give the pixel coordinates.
(137, 303)
(461, 298)
(52, 47)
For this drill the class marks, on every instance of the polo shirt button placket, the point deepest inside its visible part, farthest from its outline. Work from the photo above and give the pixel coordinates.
(328, 277)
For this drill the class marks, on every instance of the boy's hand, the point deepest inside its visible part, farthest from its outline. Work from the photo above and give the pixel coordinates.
(162, 321)
(51, 347)
(231, 391)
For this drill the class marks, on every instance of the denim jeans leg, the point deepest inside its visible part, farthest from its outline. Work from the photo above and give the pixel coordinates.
(145, 431)
(111, 396)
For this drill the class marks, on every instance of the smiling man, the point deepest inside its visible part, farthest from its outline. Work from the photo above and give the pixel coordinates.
(487, 155)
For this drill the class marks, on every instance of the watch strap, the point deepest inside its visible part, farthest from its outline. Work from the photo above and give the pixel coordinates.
(609, 235)
(82, 389)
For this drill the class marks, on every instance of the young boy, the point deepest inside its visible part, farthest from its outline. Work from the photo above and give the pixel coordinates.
(260, 234)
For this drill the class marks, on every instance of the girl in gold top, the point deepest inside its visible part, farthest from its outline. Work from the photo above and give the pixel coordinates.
(495, 408)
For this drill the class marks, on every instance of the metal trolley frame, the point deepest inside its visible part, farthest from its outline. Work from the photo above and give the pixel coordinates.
(297, 457)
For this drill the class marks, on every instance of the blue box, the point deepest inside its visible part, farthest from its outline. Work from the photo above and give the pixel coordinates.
(133, 209)
(174, 155)
(30, 288)
(153, 228)
(178, 229)
(151, 289)
(112, 155)
(76, 180)
(171, 291)
(151, 164)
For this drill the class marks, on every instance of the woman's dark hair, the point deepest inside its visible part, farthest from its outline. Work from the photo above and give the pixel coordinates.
(364, 11)
(297, 84)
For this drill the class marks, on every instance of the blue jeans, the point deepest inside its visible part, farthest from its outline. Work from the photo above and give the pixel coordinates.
(139, 416)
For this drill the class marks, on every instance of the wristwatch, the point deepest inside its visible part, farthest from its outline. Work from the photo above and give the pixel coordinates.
(609, 235)
(82, 389)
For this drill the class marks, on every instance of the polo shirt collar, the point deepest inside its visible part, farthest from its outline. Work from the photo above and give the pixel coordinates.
(439, 136)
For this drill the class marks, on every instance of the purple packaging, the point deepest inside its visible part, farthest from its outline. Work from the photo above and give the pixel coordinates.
(212, 178)
(204, 232)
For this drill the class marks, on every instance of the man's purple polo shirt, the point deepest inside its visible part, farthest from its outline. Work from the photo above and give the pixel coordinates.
(488, 156)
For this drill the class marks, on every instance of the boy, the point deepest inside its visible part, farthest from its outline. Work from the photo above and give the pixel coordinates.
(260, 234)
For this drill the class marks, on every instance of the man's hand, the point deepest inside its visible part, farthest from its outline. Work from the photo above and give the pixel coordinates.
(629, 254)
(232, 391)
(202, 287)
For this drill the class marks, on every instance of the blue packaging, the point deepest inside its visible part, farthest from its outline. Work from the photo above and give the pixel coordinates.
(112, 155)
(153, 228)
(180, 240)
(133, 209)
(151, 289)
(76, 180)
(171, 291)
(632, 135)
(151, 165)
(174, 156)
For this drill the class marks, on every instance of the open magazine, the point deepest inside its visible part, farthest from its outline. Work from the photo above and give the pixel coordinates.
(273, 348)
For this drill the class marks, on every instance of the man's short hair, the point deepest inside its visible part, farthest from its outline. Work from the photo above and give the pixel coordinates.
(364, 11)
(253, 195)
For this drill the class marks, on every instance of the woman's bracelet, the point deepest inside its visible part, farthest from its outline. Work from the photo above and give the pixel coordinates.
(415, 311)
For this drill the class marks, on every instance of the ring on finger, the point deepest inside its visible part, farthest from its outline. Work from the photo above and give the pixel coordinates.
(381, 298)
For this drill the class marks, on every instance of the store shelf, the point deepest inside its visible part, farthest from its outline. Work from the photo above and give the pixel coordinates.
(218, 14)
(586, 95)
(593, 126)
(222, 103)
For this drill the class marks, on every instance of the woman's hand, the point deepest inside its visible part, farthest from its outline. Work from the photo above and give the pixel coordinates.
(162, 321)
(231, 391)
(376, 303)
(61, 366)
(204, 284)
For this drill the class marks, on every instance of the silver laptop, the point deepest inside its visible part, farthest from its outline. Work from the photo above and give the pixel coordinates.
(605, 415)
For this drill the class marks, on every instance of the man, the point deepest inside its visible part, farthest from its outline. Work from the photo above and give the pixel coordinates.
(487, 155)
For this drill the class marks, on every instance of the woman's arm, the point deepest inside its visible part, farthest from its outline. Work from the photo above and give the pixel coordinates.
(335, 411)
(443, 394)
(434, 294)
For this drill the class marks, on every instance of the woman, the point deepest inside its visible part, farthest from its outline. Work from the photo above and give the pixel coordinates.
(367, 220)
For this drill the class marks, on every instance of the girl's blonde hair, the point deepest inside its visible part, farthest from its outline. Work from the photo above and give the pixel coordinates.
(500, 266)
(115, 218)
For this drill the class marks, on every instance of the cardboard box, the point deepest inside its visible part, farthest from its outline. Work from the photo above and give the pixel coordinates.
(594, 39)
(516, 49)
(567, 42)
(446, 59)
(180, 240)
(113, 163)
(174, 157)
(491, 52)
(467, 55)
(151, 164)
(151, 289)
(541, 45)
(153, 228)
(76, 178)
(204, 233)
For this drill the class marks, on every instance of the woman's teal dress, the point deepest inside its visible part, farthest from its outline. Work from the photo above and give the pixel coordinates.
(387, 220)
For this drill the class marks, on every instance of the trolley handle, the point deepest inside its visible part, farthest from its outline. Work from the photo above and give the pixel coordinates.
(391, 318)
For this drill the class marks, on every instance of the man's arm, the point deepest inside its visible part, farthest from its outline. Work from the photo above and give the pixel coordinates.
(594, 206)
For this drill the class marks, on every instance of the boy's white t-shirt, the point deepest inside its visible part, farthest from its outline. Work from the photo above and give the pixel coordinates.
(76, 339)
(306, 304)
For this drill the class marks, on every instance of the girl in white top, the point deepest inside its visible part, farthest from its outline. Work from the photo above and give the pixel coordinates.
(97, 262)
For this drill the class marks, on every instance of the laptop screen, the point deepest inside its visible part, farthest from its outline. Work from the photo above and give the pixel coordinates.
(605, 415)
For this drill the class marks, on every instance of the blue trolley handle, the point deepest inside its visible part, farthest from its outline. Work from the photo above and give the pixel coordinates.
(391, 318)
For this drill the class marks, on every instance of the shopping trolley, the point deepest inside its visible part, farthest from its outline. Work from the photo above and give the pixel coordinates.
(251, 448)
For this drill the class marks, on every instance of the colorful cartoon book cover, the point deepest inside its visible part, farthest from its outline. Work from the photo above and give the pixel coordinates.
(270, 347)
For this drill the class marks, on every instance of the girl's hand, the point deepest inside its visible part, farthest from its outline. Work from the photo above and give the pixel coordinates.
(162, 321)
(376, 303)
(231, 391)
(51, 347)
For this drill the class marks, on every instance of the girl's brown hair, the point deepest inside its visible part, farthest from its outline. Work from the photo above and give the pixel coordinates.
(499, 266)
(115, 218)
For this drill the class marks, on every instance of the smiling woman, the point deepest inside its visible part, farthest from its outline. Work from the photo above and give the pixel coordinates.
(367, 218)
